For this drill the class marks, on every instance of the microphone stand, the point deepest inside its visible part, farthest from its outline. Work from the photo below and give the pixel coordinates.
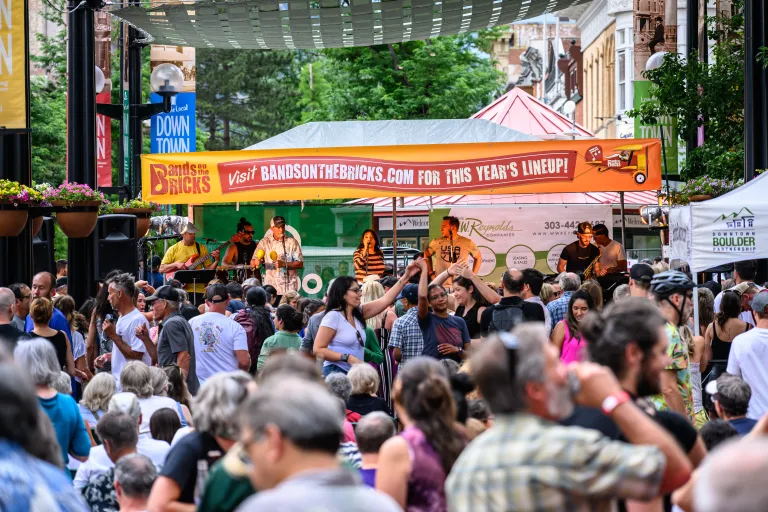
(287, 272)
(451, 247)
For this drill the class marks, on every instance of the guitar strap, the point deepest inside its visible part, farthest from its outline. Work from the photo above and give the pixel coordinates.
(197, 246)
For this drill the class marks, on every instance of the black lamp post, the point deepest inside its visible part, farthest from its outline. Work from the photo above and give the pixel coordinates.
(165, 80)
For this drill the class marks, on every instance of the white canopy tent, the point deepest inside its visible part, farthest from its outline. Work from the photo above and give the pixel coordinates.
(337, 134)
(729, 228)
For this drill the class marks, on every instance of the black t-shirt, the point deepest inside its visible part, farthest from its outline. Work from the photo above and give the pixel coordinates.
(532, 312)
(577, 257)
(181, 463)
(11, 335)
(679, 427)
(363, 404)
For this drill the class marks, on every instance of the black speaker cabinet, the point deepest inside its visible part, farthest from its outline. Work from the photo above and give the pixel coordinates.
(43, 259)
(116, 245)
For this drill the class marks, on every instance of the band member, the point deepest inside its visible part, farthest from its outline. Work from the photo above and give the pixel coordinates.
(451, 248)
(613, 260)
(368, 258)
(579, 255)
(281, 256)
(177, 256)
(241, 253)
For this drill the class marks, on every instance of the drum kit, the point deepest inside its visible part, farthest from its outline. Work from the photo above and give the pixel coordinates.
(237, 273)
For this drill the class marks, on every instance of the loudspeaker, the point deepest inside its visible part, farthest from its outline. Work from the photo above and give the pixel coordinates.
(116, 245)
(43, 259)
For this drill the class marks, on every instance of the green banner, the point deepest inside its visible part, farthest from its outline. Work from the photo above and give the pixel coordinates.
(328, 234)
(652, 131)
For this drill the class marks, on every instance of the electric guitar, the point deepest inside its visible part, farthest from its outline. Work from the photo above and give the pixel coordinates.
(196, 260)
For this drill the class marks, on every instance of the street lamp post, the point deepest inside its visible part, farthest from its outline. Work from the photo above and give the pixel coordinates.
(166, 80)
(81, 138)
(569, 109)
(654, 62)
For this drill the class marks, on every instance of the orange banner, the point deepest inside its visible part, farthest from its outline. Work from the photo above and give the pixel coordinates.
(387, 171)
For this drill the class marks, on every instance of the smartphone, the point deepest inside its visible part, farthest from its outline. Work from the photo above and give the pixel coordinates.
(110, 317)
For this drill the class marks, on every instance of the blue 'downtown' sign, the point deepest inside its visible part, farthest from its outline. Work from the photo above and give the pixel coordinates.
(174, 132)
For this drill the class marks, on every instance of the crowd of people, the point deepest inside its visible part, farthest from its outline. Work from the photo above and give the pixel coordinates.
(422, 392)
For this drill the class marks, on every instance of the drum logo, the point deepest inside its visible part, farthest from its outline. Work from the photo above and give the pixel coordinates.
(735, 232)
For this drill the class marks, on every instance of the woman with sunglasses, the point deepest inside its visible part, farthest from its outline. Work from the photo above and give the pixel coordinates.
(240, 253)
(340, 340)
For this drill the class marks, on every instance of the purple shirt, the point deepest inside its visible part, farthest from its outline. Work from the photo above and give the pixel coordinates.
(369, 477)
(426, 481)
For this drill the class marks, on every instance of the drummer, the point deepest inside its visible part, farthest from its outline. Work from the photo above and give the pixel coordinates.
(240, 253)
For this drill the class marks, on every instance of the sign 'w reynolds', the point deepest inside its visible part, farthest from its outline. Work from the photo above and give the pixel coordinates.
(521, 167)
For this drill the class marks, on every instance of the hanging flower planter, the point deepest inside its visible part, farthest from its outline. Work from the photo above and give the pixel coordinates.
(699, 198)
(76, 207)
(13, 218)
(37, 215)
(143, 210)
(142, 218)
(15, 201)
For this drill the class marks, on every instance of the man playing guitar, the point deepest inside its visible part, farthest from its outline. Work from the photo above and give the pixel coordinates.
(581, 254)
(179, 254)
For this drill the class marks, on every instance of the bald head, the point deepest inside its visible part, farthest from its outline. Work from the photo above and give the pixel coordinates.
(42, 284)
(7, 305)
(734, 477)
(513, 282)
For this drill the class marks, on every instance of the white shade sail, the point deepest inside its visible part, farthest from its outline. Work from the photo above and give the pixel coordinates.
(292, 24)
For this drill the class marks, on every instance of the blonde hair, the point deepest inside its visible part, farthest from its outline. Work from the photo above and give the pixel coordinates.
(288, 297)
(364, 379)
(372, 290)
(98, 392)
(546, 293)
(41, 310)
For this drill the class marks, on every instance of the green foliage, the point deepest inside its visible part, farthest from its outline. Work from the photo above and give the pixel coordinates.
(442, 78)
(710, 95)
(48, 104)
(245, 96)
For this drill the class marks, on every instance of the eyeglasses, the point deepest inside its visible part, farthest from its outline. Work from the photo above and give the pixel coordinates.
(438, 296)
(356, 290)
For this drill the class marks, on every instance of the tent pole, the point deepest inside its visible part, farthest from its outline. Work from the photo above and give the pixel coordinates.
(696, 327)
(623, 235)
(394, 235)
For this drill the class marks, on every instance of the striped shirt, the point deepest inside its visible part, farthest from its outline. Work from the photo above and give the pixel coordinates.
(375, 264)
(527, 463)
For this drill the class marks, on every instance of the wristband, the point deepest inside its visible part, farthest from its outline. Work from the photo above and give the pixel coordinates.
(344, 358)
(614, 400)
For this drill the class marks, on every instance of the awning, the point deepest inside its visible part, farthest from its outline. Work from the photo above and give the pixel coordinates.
(265, 24)
(423, 203)
(522, 112)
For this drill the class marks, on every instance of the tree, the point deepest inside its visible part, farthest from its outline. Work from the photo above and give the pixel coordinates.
(245, 96)
(48, 105)
(705, 94)
(441, 78)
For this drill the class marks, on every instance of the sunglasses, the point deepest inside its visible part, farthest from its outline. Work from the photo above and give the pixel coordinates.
(249, 232)
(356, 290)
(359, 338)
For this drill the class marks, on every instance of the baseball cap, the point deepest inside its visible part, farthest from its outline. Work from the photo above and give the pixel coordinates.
(277, 221)
(641, 272)
(189, 228)
(760, 302)
(165, 292)
(216, 293)
(585, 228)
(410, 292)
(739, 288)
(251, 281)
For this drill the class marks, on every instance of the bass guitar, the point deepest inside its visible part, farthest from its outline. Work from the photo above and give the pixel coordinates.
(196, 261)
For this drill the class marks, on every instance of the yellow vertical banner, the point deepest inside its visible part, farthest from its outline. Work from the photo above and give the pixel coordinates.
(13, 65)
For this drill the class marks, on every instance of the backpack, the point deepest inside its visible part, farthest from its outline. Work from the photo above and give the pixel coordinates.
(505, 318)
(244, 318)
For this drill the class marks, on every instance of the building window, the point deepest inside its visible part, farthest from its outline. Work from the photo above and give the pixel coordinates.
(621, 69)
